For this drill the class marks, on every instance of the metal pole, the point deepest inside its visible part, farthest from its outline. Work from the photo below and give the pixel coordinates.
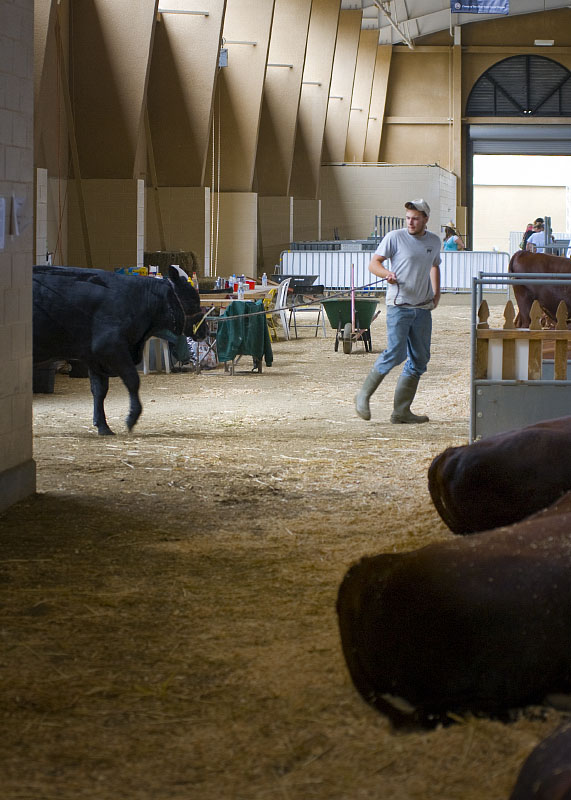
(352, 299)
(476, 286)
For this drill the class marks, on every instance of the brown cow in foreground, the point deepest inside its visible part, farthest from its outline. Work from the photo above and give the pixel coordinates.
(546, 773)
(503, 478)
(480, 624)
(549, 296)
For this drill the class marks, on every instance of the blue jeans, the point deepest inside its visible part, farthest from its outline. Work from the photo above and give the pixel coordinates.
(409, 331)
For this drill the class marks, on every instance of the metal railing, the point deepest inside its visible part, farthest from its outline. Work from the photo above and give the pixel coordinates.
(498, 404)
(333, 267)
(385, 224)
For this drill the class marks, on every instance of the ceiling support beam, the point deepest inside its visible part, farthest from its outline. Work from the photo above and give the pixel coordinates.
(383, 6)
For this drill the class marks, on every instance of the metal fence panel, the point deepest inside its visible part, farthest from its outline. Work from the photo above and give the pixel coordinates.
(496, 404)
(333, 267)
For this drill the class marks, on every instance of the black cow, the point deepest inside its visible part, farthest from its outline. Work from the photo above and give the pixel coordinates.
(479, 623)
(503, 478)
(546, 772)
(549, 296)
(104, 319)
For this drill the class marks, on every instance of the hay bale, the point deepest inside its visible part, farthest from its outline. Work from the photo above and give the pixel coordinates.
(186, 260)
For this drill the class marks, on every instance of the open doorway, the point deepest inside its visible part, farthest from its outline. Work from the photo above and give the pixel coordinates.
(511, 190)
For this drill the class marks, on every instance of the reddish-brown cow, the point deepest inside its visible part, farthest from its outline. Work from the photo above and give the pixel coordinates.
(546, 773)
(480, 623)
(549, 296)
(503, 478)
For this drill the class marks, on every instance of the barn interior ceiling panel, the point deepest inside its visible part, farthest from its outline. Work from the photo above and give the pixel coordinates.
(361, 99)
(181, 91)
(342, 80)
(239, 89)
(314, 97)
(280, 102)
(376, 115)
(110, 57)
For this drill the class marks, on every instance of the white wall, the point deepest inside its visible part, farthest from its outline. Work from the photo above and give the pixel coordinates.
(501, 209)
(352, 194)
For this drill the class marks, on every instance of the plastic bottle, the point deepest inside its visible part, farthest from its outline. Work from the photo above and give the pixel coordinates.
(195, 280)
(264, 279)
(241, 290)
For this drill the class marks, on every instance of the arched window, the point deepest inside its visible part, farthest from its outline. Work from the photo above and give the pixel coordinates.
(522, 86)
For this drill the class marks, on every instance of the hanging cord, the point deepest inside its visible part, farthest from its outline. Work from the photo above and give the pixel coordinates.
(409, 305)
(218, 192)
(341, 293)
(58, 148)
(212, 203)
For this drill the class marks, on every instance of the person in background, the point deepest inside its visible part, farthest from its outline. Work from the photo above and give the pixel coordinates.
(413, 291)
(452, 239)
(536, 242)
(527, 233)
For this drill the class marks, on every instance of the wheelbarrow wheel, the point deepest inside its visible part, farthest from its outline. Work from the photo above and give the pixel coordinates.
(347, 338)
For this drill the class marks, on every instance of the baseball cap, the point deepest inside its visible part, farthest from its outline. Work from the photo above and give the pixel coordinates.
(418, 205)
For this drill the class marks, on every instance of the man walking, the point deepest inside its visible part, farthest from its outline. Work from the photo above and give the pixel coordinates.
(413, 291)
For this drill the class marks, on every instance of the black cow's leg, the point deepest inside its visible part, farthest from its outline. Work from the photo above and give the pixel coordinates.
(99, 388)
(130, 378)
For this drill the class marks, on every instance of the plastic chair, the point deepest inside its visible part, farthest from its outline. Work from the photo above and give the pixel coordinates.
(269, 304)
(281, 299)
(161, 345)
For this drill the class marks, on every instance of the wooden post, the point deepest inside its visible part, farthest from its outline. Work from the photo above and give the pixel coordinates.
(481, 367)
(72, 140)
(560, 366)
(508, 352)
(535, 345)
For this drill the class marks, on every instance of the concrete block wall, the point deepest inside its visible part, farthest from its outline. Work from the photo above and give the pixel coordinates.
(351, 195)
(448, 185)
(17, 468)
(185, 214)
(115, 220)
(237, 250)
(275, 229)
(306, 220)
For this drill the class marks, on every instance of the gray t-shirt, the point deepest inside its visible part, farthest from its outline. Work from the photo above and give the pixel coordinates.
(411, 259)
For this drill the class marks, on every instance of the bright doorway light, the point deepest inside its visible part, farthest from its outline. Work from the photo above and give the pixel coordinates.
(512, 190)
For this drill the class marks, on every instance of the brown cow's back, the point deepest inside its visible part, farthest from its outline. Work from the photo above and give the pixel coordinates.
(549, 296)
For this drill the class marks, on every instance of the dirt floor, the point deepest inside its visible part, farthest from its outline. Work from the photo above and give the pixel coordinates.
(168, 597)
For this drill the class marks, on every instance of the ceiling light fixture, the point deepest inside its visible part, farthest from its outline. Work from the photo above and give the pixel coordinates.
(544, 42)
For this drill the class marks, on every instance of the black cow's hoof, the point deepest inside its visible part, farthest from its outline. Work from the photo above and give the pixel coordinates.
(105, 431)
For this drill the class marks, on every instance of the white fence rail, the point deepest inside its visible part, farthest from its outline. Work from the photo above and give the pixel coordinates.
(333, 268)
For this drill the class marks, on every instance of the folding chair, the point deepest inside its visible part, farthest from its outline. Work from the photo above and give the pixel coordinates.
(314, 308)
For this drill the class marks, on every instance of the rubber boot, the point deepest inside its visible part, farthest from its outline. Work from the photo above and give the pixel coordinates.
(371, 384)
(404, 395)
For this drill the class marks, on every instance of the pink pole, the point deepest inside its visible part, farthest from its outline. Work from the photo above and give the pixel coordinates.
(352, 299)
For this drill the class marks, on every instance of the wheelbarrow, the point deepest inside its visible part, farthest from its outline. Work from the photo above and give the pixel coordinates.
(347, 331)
(351, 318)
